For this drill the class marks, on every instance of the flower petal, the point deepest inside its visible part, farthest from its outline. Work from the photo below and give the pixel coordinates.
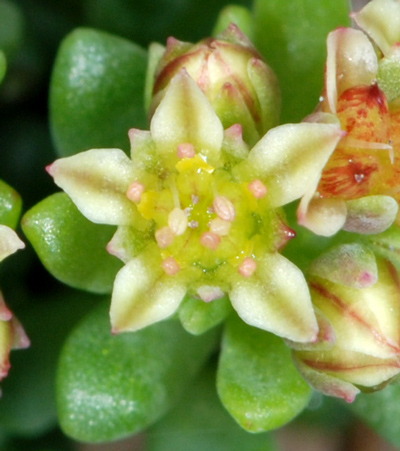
(290, 159)
(185, 115)
(326, 336)
(97, 181)
(371, 214)
(143, 294)
(351, 62)
(381, 20)
(9, 242)
(276, 299)
(322, 216)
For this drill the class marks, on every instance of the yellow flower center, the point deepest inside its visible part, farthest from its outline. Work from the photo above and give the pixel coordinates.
(205, 218)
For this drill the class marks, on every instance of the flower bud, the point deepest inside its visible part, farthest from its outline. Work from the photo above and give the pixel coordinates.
(357, 299)
(238, 83)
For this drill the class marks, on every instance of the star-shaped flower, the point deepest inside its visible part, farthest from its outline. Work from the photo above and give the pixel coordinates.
(199, 213)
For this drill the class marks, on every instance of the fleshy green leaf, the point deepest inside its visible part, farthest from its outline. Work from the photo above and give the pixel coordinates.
(96, 92)
(200, 423)
(198, 316)
(257, 381)
(380, 410)
(10, 206)
(291, 35)
(112, 386)
(71, 248)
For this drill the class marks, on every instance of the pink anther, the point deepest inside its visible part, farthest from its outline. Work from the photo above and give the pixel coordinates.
(258, 189)
(220, 227)
(248, 266)
(210, 240)
(186, 150)
(164, 237)
(135, 192)
(170, 266)
(224, 208)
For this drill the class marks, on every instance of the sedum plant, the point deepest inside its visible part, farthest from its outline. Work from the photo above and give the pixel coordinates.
(249, 258)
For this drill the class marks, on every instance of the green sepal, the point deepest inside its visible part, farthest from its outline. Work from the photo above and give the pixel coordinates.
(197, 316)
(112, 386)
(389, 76)
(200, 415)
(239, 15)
(257, 380)
(10, 205)
(28, 404)
(72, 248)
(292, 37)
(380, 410)
(96, 92)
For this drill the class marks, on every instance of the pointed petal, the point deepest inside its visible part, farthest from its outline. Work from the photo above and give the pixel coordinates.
(143, 294)
(381, 20)
(351, 62)
(324, 217)
(185, 115)
(353, 265)
(371, 214)
(97, 181)
(326, 336)
(9, 242)
(276, 299)
(289, 159)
